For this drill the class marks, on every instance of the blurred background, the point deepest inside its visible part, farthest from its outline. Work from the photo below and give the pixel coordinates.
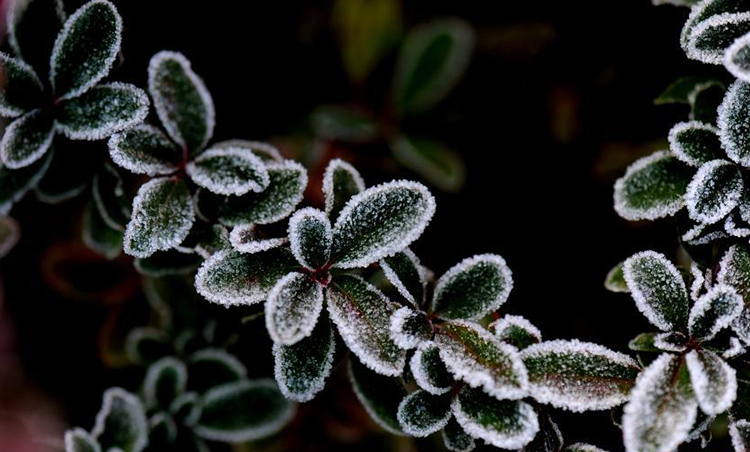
(556, 101)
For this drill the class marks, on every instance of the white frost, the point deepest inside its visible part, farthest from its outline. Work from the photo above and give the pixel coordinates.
(221, 181)
(735, 349)
(698, 281)
(503, 325)
(293, 307)
(9, 137)
(739, 431)
(70, 440)
(723, 315)
(333, 166)
(420, 374)
(712, 56)
(731, 228)
(137, 161)
(414, 430)
(393, 278)
(316, 383)
(298, 242)
(154, 372)
(738, 68)
(244, 239)
(526, 432)
(704, 190)
(621, 202)
(402, 338)
(714, 381)
(263, 150)
(118, 398)
(677, 147)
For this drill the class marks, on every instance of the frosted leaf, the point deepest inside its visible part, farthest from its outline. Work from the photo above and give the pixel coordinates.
(229, 171)
(714, 311)
(710, 39)
(644, 342)
(516, 331)
(181, 100)
(211, 367)
(27, 139)
(455, 438)
(244, 239)
(475, 356)
(186, 409)
(695, 143)
(33, 26)
(144, 149)
(310, 237)
(658, 289)
(737, 58)
(162, 430)
(714, 191)
(206, 239)
(741, 407)
(714, 381)
(615, 280)
(549, 438)
(473, 288)
(441, 166)
(734, 350)
(693, 233)
(731, 227)
(739, 431)
(421, 414)
(121, 422)
(97, 235)
(705, 10)
(662, 407)
(233, 278)
(164, 381)
(243, 411)
(301, 370)
(341, 181)
(741, 326)
(379, 395)
(162, 217)
(507, 424)
(380, 222)
(433, 58)
(265, 151)
(344, 123)
(429, 370)
(578, 376)
(21, 89)
(705, 100)
(699, 280)
(409, 328)
(170, 262)
(404, 271)
(293, 307)
(734, 270)
(78, 440)
(671, 342)
(145, 345)
(14, 184)
(288, 180)
(362, 315)
(652, 187)
(10, 232)
(582, 447)
(734, 123)
(109, 196)
(681, 90)
(708, 237)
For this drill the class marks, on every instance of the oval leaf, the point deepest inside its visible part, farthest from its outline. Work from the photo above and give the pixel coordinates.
(229, 171)
(714, 381)
(710, 39)
(293, 307)
(164, 381)
(121, 423)
(409, 328)
(78, 440)
(455, 438)
(20, 88)
(340, 182)
(714, 311)
(404, 271)
(27, 139)
(695, 143)
(737, 58)
(714, 191)
(422, 414)
(734, 123)
(310, 237)
(144, 149)
(429, 370)
(516, 331)
(379, 395)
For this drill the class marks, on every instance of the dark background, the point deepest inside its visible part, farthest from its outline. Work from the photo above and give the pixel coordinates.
(557, 101)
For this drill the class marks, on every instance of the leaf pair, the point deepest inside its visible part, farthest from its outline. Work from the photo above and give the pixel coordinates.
(712, 27)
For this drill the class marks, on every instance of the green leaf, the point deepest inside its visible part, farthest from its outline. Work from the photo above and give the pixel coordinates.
(695, 143)
(681, 90)
(165, 380)
(186, 408)
(705, 101)
(98, 236)
(421, 414)
(310, 238)
(293, 307)
(644, 342)
(705, 11)
(182, 101)
(652, 187)
(121, 423)
(714, 381)
(20, 88)
(206, 239)
(170, 262)
(229, 171)
(85, 48)
(735, 272)
(145, 345)
(658, 290)
(211, 367)
(362, 315)
(714, 311)
(734, 123)
(14, 184)
(714, 191)
(615, 280)
(67, 176)
(27, 139)
(163, 431)
(144, 149)
(740, 434)
(243, 411)
(432, 60)
(737, 59)
(473, 288)
(409, 328)
(429, 370)
(578, 376)
(507, 424)
(162, 217)
(78, 440)
(455, 438)
(110, 198)
(342, 123)
(102, 111)
(709, 39)
(247, 238)
(379, 395)
(549, 438)
(302, 369)
(480, 359)
(662, 407)
(341, 181)
(230, 277)
(438, 164)
(10, 232)
(33, 26)
(404, 271)
(516, 331)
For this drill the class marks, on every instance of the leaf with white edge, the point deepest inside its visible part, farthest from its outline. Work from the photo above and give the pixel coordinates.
(477, 357)
(714, 381)
(734, 123)
(662, 407)
(739, 431)
(339, 122)
(704, 11)
(581, 447)
(341, 181)
(288, 180)
(181, 100)
(310, 237)
(293, 307)
(710, 39)
(211, 367)
(186, 408)
(734, 349)
(549, 438)
(578, 376)
(79, 440)
(379, 395)
(145, 345)
(144, 149)
(27, 139)
(229, 171)
(404, 271)
(705, 101)
(362, 315)
(714, 191)
(20, 88)
(245, 239)
(680, 90)
(162, 217)
(165, 380)
(409, 328)
(170, 262)
(671, 342)
(644, 342)
(206, 239)
(507, 424)
(97, 234)
(301, 370)
(737, 58)
(741, 407)
(15, 183)
(109, 195)
(433, 160)
(734, 270)
(243, 411)
(421, 414)
(695, 143)
(380, 222)
(615, 280)
(33, 26)
(714, 311)
(233, 278)
(121, 423)
(652, 187)
(102, 111)
(516, 331)
(429, 370)
(266, 152)
(162, 431)
(10, 233)
(432, 60)
(473, 288)
(658, 290)
(456, 439)
(86, 48)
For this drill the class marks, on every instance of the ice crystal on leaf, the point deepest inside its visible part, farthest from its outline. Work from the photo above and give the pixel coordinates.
(456, 439)
(27, 139)
(244, 239)
(310, 237)
(549, 438)
(740, 434)
(516, 331)
(714, 381)
(695, 143)
(293, 307)
(429, 370)
(409, 328)
(404, 271)
(79, 440)
(737, 58)
(670, 342)
(714, 311)
(121, 423)
(710, 38)
(422, 414)
(164, 381)
(734, 123)
(714, 191)
(229, 171)
(380, 395)
(301, 369)
(581, 447)
(341, 181)
(264, 151)
(21, 89)
(144, 149)
(735, 272)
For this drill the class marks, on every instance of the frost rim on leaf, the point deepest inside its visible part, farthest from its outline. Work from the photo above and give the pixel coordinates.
(692, 195)
(403, 339)
(328, 192)
(718, 20)
(241, 244)
(137, 167)
(318, 384)
(240, 187)
(5, 148)
(309, 319)
(703, 385)
(417, 370)
(8, 110)
(409, 428)
(154, 372)
(731, 52)
(17, 8)
(489, 437)
(501, 325)
(219, 354)
(295, 238)
(394, 279)
(725, 119)
(676, 147)
(735, 432)
(70, 438)
(704, 303)
(140, 418)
